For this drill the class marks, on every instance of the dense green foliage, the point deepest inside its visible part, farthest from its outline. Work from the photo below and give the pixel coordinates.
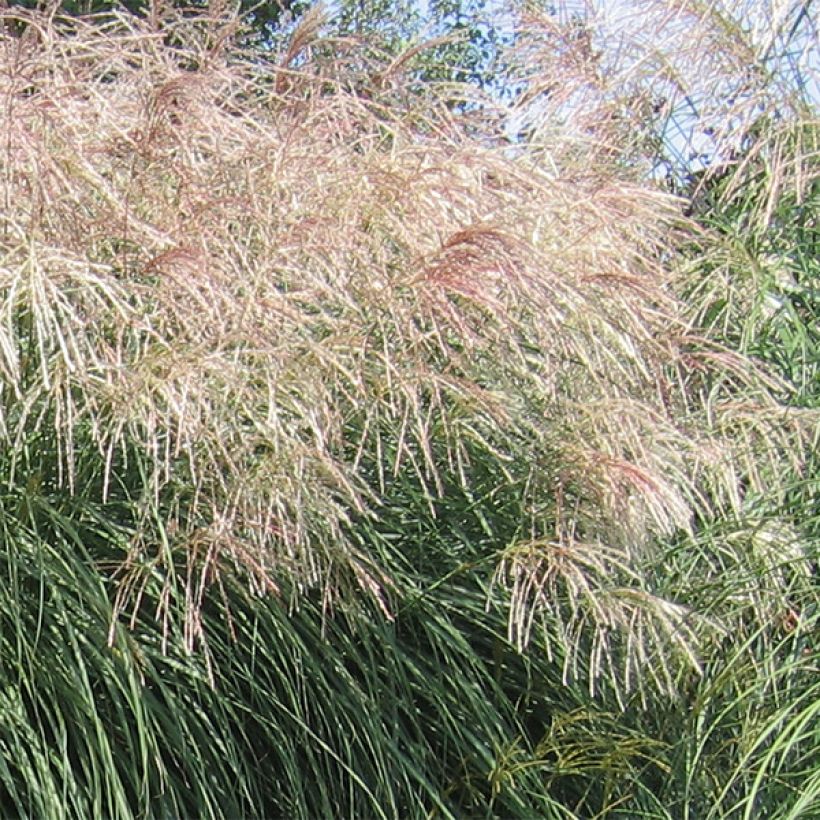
(367, 455)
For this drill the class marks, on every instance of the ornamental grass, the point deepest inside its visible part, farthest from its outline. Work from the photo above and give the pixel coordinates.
(364, 458)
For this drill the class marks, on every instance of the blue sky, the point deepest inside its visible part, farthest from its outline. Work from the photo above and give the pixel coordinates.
(703, 94)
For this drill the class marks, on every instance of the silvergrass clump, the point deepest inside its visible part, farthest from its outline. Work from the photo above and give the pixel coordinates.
(323, 399)
(258, 288)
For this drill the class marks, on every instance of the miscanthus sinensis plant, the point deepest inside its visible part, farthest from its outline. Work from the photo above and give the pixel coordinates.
(719, 100)
(293, 345)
